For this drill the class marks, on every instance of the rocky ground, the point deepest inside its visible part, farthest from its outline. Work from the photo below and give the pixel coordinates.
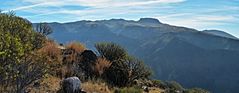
(51, 84)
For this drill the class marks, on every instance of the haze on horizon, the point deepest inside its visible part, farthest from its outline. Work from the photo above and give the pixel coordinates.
(198, 14)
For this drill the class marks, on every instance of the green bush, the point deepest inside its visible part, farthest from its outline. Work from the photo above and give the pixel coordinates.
(156, 82)
(20, 62)
(111, 51)
(124, 69)
(196, 90)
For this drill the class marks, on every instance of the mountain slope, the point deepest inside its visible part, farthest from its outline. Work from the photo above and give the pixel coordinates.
(191, 57)
(220, 33)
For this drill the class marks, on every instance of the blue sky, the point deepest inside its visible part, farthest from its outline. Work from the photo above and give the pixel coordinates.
(198, 14)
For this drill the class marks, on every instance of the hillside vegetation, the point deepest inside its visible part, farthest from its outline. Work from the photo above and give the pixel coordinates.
(32, 62)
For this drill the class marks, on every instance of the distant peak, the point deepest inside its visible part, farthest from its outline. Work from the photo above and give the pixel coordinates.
(149, 20)
(117, 20)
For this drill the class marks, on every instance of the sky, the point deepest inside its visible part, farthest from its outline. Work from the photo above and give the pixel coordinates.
(198, 14)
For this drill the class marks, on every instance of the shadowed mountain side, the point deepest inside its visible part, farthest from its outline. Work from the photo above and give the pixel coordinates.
(193, 58)
(193, 66)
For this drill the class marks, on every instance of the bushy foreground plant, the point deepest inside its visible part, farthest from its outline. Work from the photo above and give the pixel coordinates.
(20, 61)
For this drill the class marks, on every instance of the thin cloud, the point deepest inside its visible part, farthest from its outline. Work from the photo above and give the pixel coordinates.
(99, 7)
(196, 21)
(92, 3)
(215, 18)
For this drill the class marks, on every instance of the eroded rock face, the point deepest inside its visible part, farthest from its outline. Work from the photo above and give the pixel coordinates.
(71, 85)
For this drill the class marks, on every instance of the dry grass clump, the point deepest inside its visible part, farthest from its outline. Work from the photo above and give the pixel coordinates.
(78, 47)
(156, 90)
(96, 87)
(53, 55)
(101, 65)
(49, 84)
(51, 50)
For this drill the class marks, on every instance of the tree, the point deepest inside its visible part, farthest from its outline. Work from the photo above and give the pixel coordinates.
(42, 30)
(20, 62)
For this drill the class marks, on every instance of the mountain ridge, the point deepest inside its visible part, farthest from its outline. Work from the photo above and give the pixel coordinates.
(153, 23)
(220, 33)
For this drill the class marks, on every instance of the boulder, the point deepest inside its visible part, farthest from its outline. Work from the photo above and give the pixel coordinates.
(71, 85)
(88, 56)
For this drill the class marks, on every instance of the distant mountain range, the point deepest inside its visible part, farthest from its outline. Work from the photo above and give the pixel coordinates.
(208, 59)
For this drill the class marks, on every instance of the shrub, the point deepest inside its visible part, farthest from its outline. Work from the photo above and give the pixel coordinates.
(111, 51)
(21, 63)
(124, 73)
(196, 90)
(124, 69)
(137, 69)
(156, 82)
